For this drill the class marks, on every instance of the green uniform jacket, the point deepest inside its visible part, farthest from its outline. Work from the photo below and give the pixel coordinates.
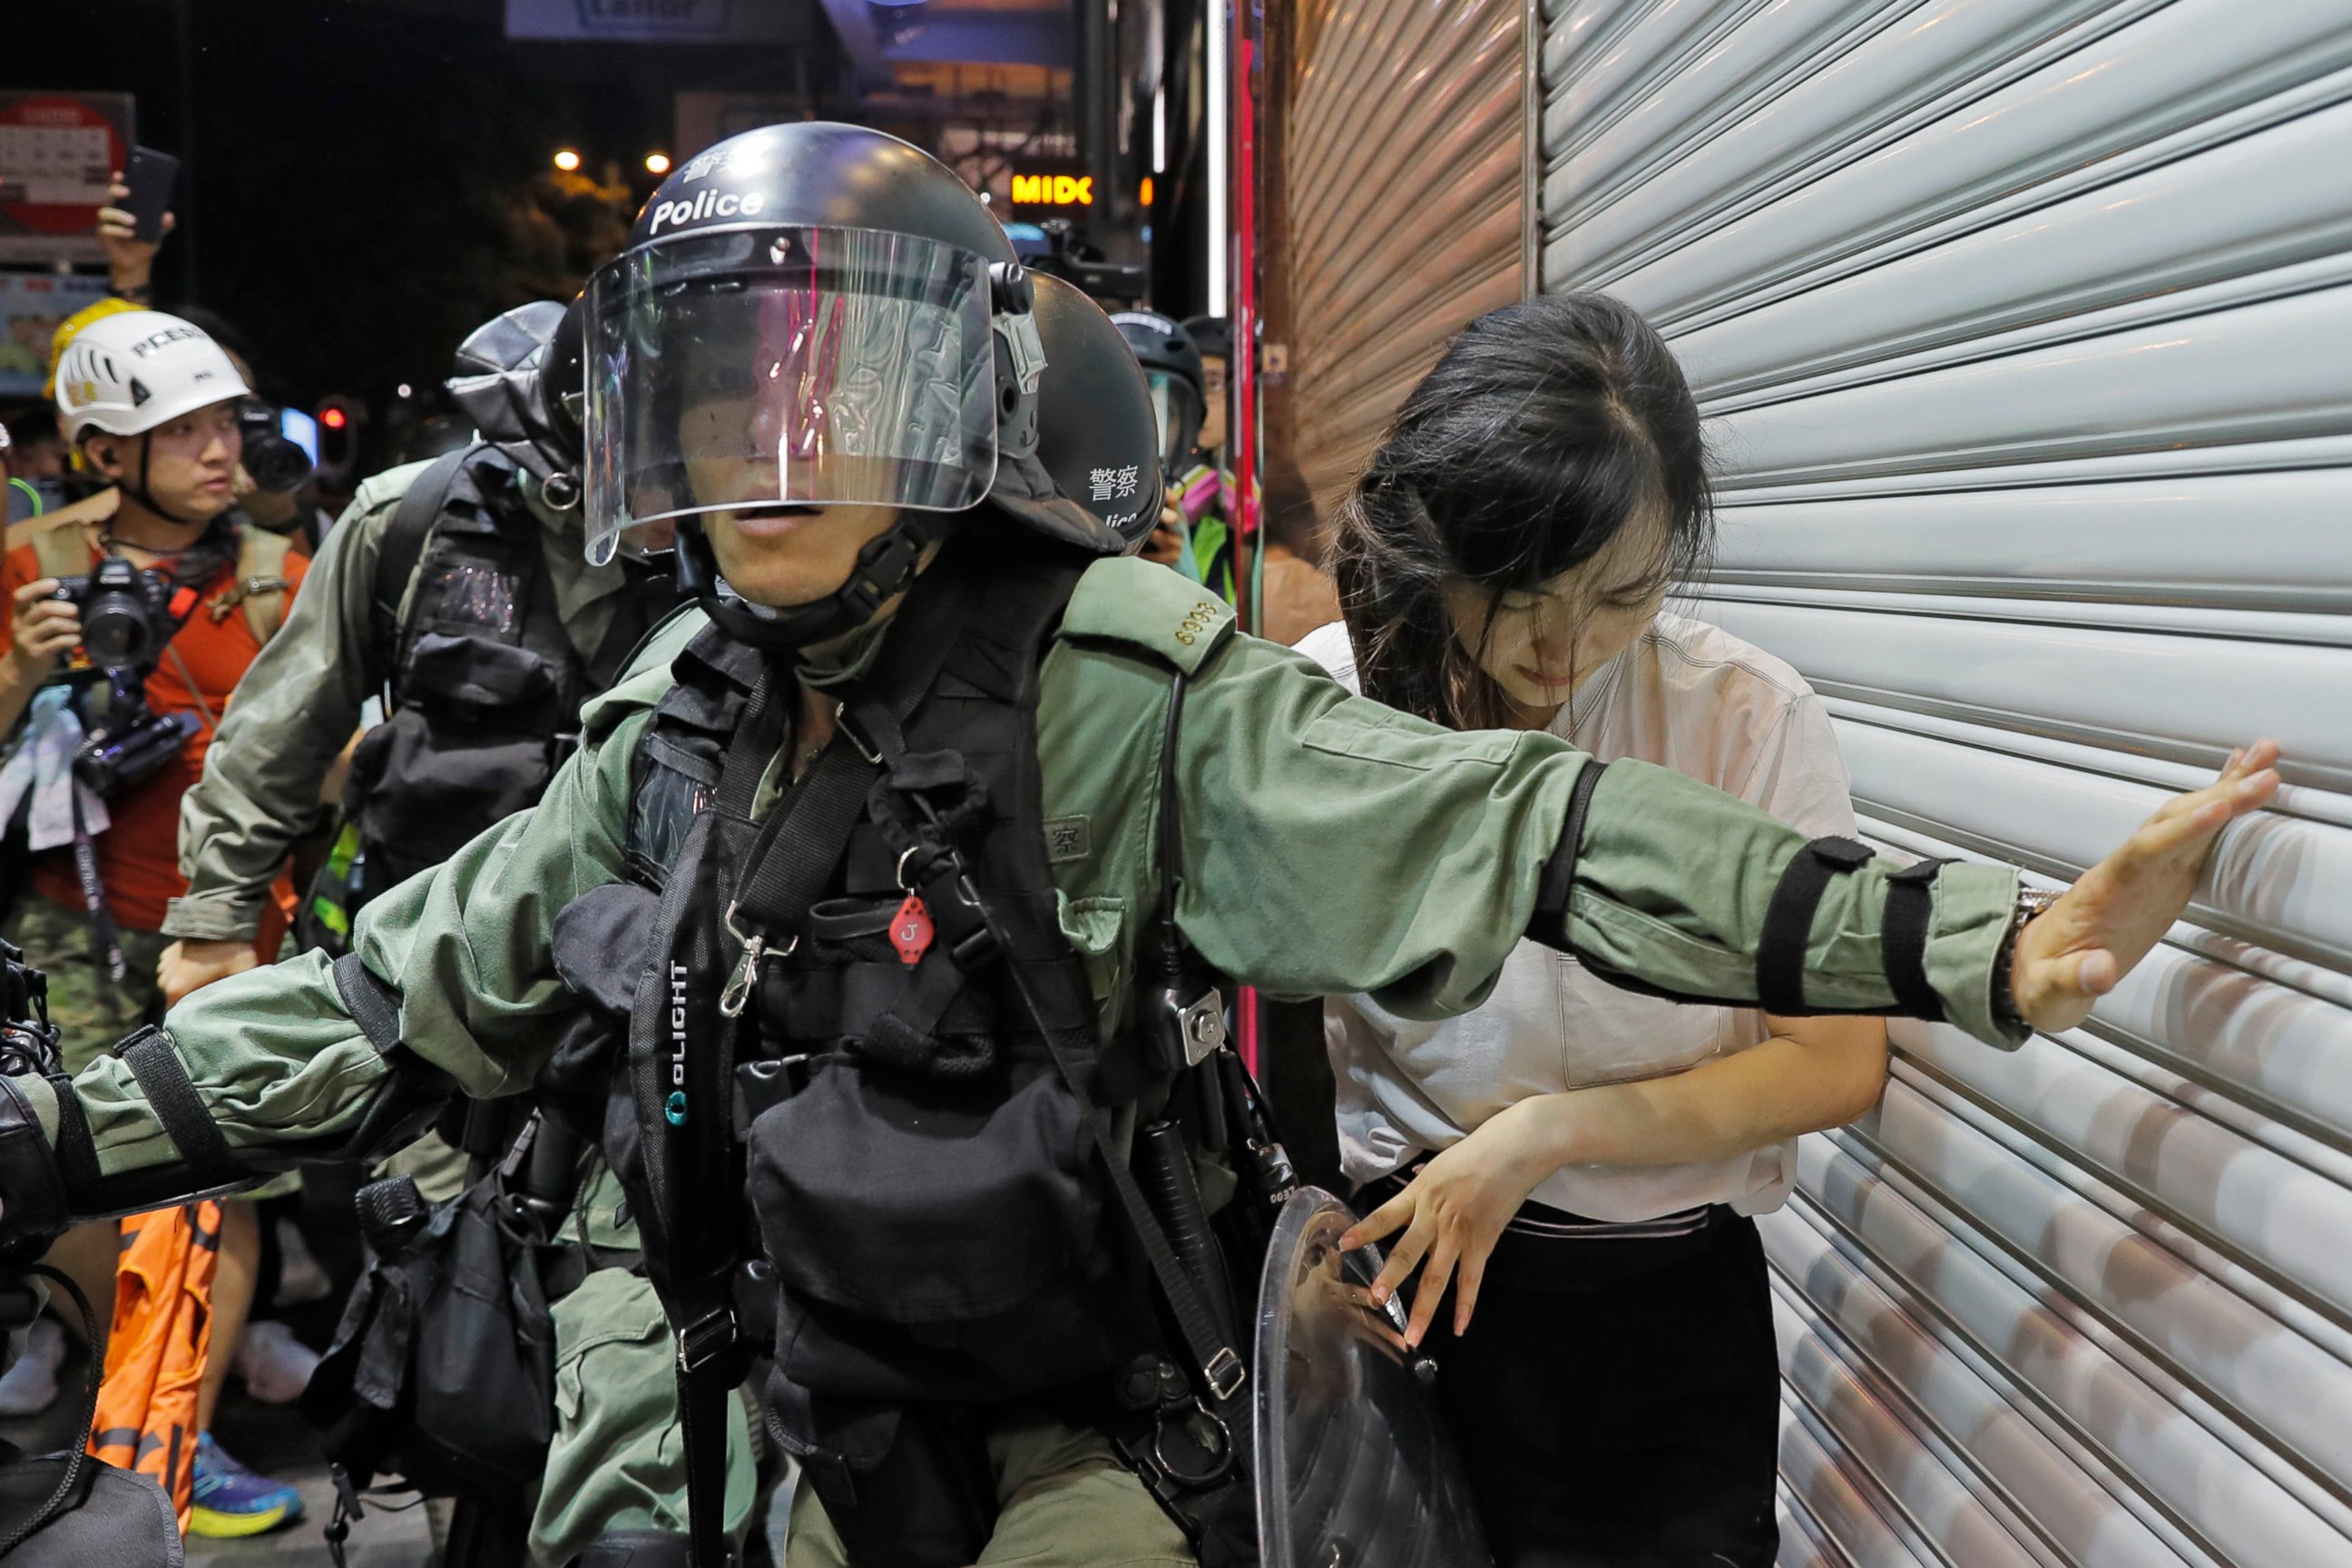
(297, 707)
(1329, 845)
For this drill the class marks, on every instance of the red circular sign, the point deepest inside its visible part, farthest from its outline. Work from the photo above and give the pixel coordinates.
(63, 128)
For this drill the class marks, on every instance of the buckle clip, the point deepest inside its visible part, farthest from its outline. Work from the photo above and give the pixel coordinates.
(705, 1339)
(738, 994)
(844, 724)
(1225, 1373)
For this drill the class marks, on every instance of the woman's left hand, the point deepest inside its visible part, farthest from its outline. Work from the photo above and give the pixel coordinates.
(1453, 1212)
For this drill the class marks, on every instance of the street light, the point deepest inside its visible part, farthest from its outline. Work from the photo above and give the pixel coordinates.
(568, 161)
(657, 163)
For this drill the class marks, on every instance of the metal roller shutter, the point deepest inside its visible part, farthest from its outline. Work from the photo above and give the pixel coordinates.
(2024, 328)
(1403, 172)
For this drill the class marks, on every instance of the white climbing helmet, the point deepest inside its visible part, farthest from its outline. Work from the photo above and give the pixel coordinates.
(130, 373)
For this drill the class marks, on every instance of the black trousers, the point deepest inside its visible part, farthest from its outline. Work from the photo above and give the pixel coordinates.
(1617, 1402)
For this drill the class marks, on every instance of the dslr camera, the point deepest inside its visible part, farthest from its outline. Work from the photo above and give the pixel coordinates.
(274, 461)
(125, 622)
(124, 618)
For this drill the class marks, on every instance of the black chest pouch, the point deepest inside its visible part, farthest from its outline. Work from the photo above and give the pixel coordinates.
(870, 990)
(919, 1169)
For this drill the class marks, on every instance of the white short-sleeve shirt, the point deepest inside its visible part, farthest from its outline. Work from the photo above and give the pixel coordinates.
(1686, 696)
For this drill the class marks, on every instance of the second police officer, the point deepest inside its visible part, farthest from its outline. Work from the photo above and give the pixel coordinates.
(877, 881)
(458, 590)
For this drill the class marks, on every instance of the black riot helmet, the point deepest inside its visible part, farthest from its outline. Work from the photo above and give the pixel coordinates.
(1212, 335)
(1172, 364)
(563, 376)
(1098, 427)
(497, 384)
(808, 315)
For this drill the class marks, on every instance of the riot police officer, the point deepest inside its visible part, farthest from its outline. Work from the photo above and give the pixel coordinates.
(456, 588)
(871, 882)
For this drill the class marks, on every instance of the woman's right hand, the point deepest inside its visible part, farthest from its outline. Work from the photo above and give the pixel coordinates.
(41, 628)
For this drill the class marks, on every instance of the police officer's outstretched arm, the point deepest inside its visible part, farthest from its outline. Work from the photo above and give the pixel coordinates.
(295, 709)
(296, 1062)
(1333, 845)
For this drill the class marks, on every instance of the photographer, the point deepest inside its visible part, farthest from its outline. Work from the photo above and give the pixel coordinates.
(169, 595)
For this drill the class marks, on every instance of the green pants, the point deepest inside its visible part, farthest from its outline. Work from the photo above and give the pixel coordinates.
(618, 1460)
(93, 1011)
(1066, 1502)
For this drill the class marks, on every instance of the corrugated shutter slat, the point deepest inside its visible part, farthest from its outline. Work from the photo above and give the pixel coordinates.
(1404, 180)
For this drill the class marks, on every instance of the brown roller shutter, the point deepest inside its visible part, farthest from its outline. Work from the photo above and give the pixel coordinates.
(1401, 172)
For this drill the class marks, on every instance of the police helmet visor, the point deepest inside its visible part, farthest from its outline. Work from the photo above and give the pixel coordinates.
(1178, 408)
(765, 367)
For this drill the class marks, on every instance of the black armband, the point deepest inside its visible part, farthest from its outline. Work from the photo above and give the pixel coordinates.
(1902, 940)
(1788, 920)
(1548, 924)
(397, 1114)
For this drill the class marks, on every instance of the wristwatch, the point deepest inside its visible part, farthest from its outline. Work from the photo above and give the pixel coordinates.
(2030, 901)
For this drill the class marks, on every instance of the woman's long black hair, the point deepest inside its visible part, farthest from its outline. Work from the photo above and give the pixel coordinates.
(1546, 426)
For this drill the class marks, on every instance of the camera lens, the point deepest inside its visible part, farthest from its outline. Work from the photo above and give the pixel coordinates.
(274, 462)
(116, 630)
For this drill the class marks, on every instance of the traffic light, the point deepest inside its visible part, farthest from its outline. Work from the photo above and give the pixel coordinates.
(340, 419)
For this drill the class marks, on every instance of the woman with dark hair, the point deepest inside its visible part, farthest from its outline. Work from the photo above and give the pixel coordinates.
(1582, 1162)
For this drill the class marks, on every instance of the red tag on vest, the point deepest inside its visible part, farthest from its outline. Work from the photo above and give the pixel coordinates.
(910, 931)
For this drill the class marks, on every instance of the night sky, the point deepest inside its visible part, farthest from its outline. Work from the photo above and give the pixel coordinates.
(371, 177)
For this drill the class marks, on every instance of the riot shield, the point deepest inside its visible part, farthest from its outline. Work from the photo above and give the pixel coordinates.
(1355, 1467)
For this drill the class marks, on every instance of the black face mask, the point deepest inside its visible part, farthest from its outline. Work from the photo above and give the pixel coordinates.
(886, 568)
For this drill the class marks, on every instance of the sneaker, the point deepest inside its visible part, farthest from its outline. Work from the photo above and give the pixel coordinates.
(30, 1386)
(230, 1501)
(276, 1366)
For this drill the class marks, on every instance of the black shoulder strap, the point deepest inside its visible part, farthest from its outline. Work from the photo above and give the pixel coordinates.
(405, 539)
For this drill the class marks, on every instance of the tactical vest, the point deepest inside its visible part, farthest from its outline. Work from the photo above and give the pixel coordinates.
(485, 688)
(869, 989)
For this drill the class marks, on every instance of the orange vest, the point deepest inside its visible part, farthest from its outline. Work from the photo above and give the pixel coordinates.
(155, 1353)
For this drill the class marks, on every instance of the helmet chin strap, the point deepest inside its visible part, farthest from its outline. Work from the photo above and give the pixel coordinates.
(886, 568)
(145, 497)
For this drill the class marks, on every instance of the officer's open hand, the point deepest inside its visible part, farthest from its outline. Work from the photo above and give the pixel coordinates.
(2075, 951)
(1453, 1212)
(40, 629)
(188, 967)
